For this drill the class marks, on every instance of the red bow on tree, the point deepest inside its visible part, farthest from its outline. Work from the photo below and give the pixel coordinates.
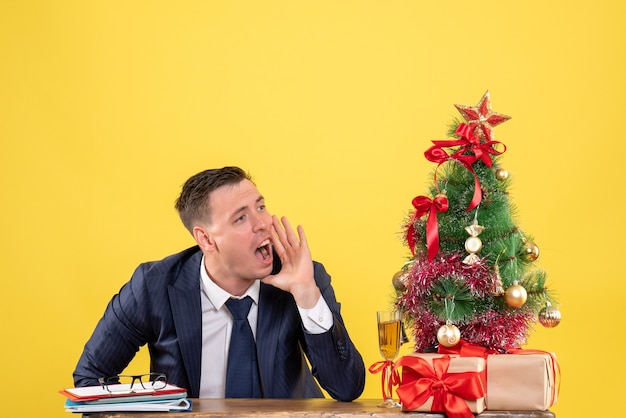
(470, 151)
(471, 144)
(424, 205)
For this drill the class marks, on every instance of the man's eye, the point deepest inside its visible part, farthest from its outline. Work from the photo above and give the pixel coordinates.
(240, 219)
(261, 208)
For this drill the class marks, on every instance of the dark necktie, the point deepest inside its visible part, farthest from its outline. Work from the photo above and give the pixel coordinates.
(242, 372)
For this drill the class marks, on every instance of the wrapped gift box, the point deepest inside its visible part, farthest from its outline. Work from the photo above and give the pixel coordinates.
(524, 382)
(433, 382)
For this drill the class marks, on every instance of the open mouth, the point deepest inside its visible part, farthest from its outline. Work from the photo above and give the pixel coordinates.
(265, 250)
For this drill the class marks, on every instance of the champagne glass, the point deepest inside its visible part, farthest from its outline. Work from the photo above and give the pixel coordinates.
(389, 326)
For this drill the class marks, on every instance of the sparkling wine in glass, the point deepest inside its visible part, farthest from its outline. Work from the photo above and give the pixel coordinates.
(389, 326)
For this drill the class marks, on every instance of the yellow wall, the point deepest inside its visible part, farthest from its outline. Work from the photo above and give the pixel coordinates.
(106, 107)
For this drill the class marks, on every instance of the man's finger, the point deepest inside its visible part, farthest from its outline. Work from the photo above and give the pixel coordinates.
(279, 237)
(292, 239)
(303, 241)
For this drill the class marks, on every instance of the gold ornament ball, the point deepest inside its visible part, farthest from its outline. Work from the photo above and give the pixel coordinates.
(399, 280)
(448, 335)
(515, 295)
(502, 174)
(549, 317)
(530, 251)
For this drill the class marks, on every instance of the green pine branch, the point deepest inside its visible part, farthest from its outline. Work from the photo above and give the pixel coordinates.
(451, 299)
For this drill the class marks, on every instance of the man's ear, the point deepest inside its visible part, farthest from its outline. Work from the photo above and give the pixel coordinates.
(203, 238)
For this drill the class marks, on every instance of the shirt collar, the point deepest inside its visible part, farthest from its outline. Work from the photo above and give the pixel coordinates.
(218, 296)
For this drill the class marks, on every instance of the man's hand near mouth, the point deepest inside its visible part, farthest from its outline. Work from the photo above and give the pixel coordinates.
(296, 275)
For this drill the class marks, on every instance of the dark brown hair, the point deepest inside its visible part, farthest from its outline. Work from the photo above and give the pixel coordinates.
(193, 203)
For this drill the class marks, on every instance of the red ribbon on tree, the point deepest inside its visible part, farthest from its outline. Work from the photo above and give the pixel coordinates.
(470, 151)
(424, 205)
(449, 390)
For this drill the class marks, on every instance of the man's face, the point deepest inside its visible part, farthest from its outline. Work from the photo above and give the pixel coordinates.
(240, 229)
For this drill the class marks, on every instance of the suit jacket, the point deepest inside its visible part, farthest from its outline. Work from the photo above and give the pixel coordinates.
(160, 306)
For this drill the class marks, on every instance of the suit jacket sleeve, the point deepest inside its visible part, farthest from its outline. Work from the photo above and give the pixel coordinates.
(124, 327)
(335, 361)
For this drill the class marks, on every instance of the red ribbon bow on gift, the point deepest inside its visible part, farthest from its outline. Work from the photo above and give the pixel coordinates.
(449, 390)
(424, 205)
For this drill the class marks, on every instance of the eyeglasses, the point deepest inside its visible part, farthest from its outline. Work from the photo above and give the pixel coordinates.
(142, 383)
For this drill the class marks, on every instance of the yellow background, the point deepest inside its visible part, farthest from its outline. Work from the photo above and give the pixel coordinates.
(106, 107)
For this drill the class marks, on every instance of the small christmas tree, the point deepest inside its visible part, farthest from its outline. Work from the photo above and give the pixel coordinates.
(472, 273)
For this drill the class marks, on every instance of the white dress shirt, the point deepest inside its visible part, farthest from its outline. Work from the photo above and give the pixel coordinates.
(217, 323)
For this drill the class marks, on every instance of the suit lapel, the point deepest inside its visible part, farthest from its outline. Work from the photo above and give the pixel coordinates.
(184, 296)
(269, 323)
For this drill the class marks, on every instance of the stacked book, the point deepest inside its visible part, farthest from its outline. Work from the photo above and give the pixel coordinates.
(114, 398)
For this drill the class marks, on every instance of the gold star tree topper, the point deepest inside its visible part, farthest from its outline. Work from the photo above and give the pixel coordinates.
(481, 119)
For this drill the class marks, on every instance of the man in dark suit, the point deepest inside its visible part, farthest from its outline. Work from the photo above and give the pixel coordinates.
(179, 305)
